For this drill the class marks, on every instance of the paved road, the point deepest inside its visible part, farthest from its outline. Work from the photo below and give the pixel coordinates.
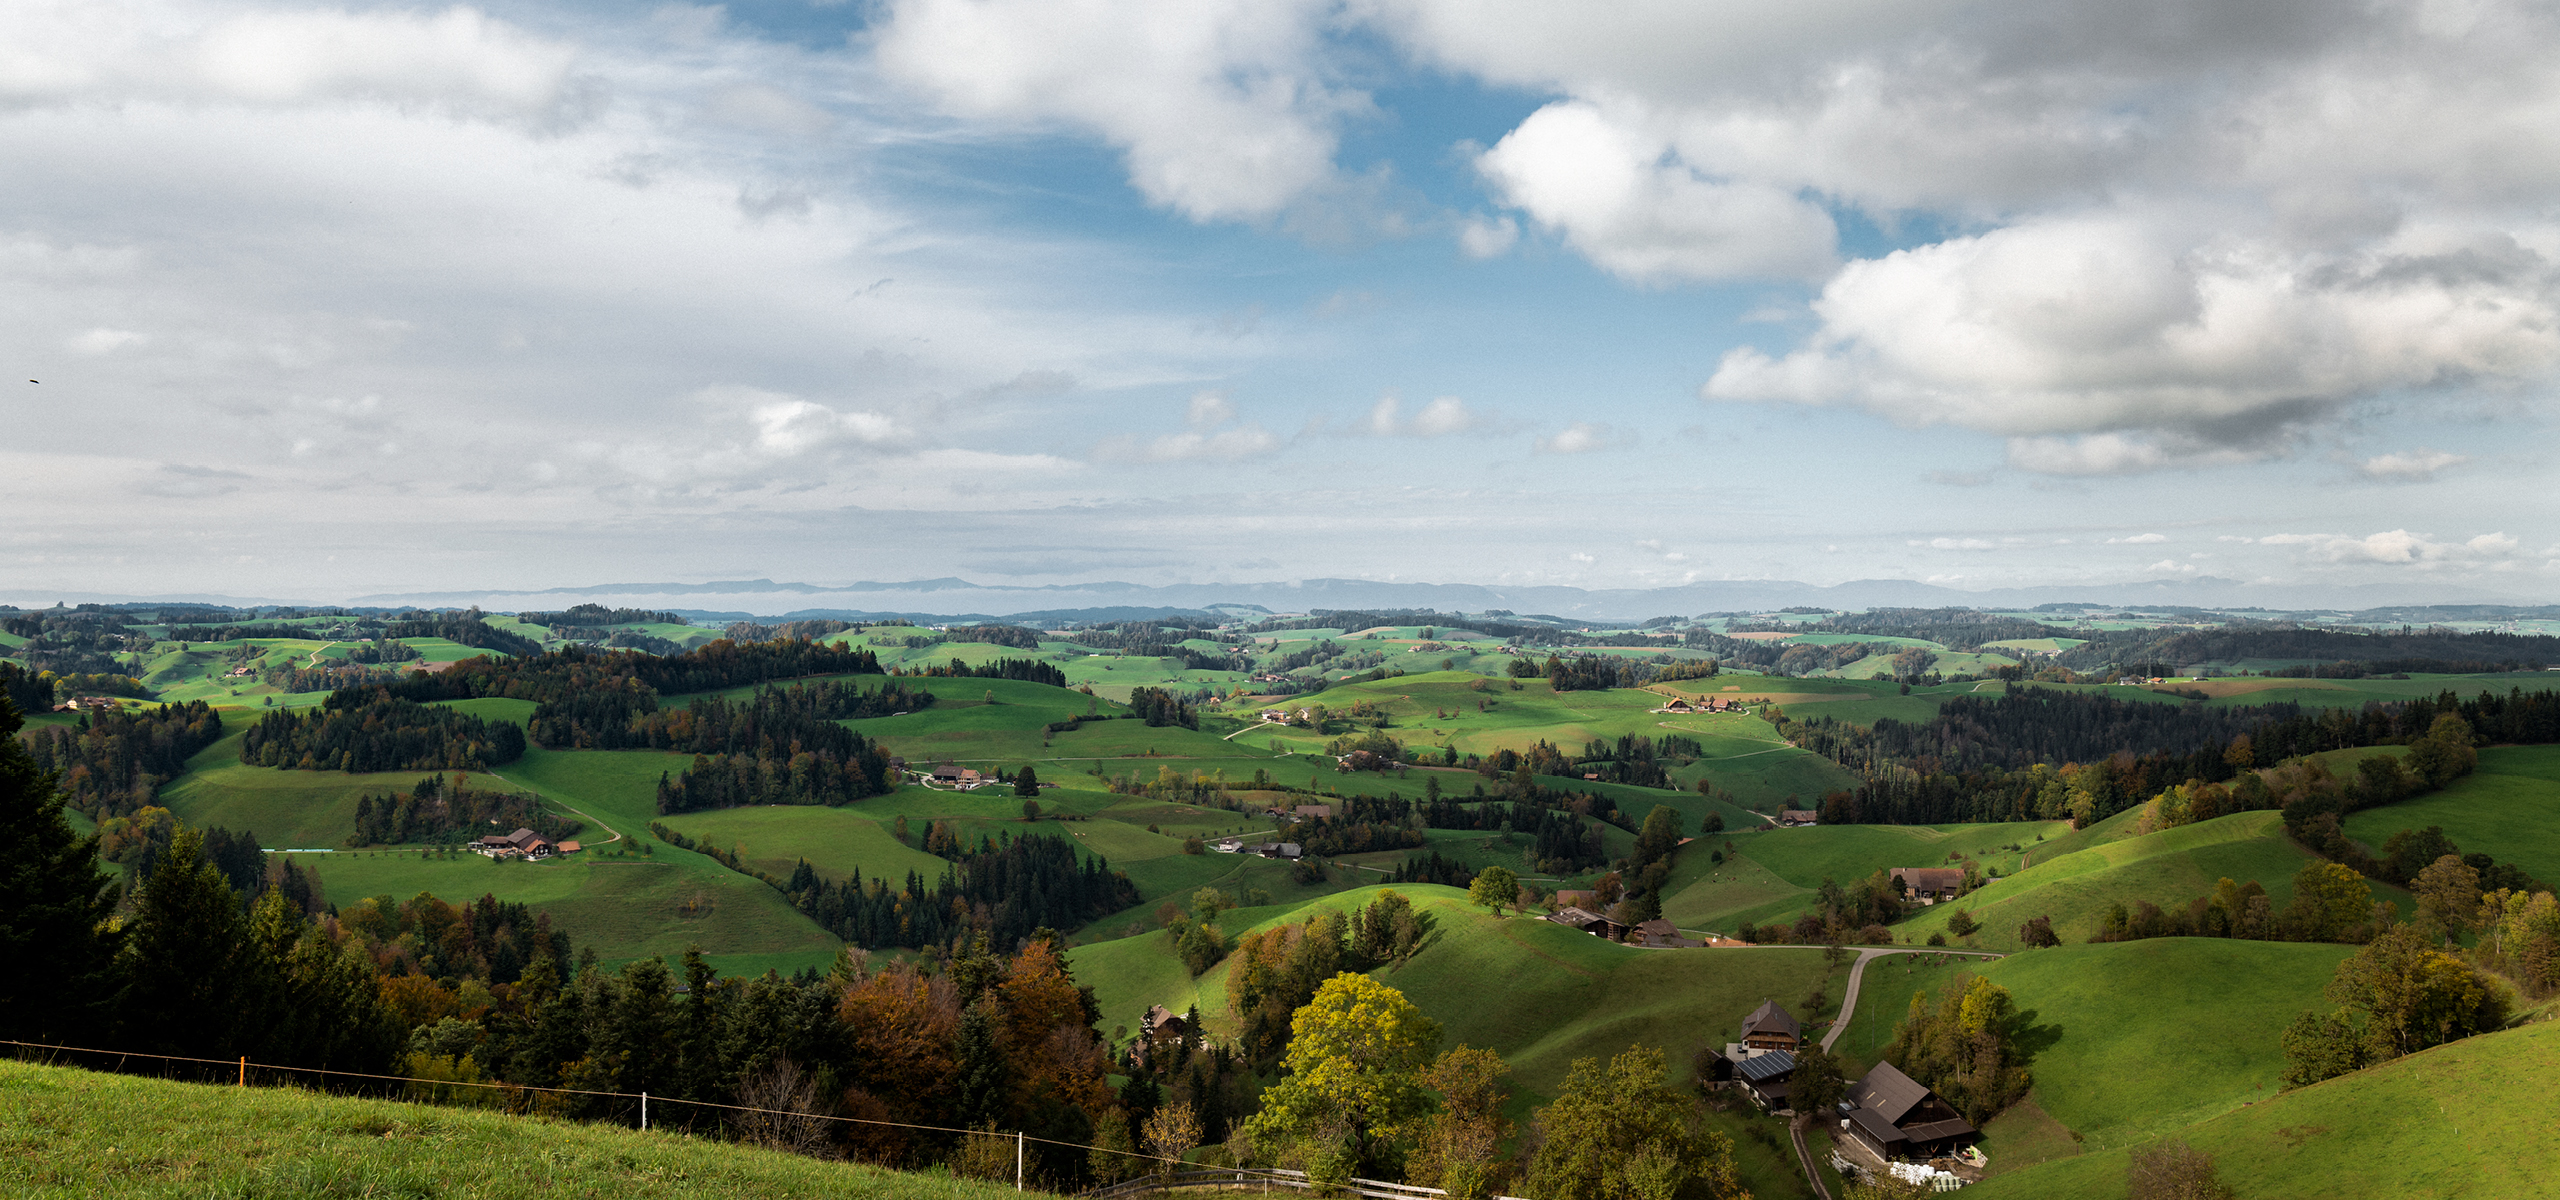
(1858, 975)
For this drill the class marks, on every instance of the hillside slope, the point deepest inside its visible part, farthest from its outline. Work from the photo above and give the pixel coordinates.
(2168, 868)
(2472, 1119)
(69, 1133)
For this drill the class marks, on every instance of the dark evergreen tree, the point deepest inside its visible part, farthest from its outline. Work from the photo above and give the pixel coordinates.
(186, 976)
(53, 903)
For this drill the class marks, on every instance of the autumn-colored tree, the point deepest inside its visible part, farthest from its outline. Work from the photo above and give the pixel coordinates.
(1458, 1149)
(2173, 1170)
(2448, 896)
(2328, 901)
(1622, 1133)
(1353, 1081)
(901, 1025)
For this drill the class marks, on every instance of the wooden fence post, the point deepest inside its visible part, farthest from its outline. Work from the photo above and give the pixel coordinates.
(1017, 1160)
(644, 1112)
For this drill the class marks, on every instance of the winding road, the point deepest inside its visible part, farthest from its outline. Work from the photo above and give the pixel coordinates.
(1840, 1025)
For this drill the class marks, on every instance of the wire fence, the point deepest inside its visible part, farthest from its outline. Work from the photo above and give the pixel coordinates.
(516, 1095)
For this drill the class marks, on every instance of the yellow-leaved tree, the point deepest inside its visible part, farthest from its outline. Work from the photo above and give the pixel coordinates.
(1353, 1084)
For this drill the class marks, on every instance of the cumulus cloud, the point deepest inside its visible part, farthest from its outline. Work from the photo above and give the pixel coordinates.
(1209, 414)
(1629, 204)
(1221, 108)
(2409, 466)
(1581, 437)
(1443, 416)
(2139, 539)
(2397, 547)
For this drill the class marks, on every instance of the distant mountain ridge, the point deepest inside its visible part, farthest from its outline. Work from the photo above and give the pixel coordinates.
(949, 598)
(962, 598)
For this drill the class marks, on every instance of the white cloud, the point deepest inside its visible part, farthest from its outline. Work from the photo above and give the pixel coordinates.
(1620, 197)
(1445, 415)
(1488, 237)
(1219, 106)
(1949, 543)
(2409, 466)
(1581, 437)
(786, 426)
(2171, 566)
(2397, 547)
(106, 341)
(2139, 539)
(1209, 410)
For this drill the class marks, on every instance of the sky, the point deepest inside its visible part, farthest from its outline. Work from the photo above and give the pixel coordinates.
(324, 301)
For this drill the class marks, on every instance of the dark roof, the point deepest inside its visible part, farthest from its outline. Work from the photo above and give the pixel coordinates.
(1760, 1068)
(1577, 917)
(1875, 1126)
(1939, 1131)
(1658, 927)
(1931, 878)
(1770, 1017)
(1889, 1092)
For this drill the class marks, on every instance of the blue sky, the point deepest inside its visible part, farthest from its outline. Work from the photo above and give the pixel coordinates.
(336, 300)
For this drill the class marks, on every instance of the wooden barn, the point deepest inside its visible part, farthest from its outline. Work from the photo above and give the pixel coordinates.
(1897, 1118)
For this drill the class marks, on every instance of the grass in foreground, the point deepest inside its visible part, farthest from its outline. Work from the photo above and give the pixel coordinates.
(66, 1132)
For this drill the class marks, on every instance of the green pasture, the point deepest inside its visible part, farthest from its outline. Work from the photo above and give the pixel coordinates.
(2508, 808)
(2168, 868)
(1807, 856)
(79, 1133)
(2044, 645)
(1703, 895)
(2469, 1119)
(2135, 1039)
(286, 809)
(837, 842)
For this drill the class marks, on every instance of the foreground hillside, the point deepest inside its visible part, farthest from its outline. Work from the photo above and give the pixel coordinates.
(66, 1132)
(2469, 1119)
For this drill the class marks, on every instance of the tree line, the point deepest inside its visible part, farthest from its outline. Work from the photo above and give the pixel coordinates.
(1028, 670)
(437, 810)
(358, 731)
(112, 764)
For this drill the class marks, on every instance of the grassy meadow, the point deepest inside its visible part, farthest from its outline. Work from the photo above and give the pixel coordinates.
(70, 1133)
(2469, 1119)
(2509, 807)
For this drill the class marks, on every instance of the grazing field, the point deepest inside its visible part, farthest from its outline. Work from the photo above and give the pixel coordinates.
(2120, 1031)
(836, 842)
(2508, 807)
(1807, 856)
(2469, 1119)
(286, 809)
(2168, 868)
(80, 1133)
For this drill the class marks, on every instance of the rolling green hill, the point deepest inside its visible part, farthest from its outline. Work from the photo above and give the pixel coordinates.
(1563, 994)
(2167, 868)
(2508, 807)
(2469, 1119)
(80, 1133)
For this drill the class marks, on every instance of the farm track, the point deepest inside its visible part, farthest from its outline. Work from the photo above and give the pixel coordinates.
(1858, 975)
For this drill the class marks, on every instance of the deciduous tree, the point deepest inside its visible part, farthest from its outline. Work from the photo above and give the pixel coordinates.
(1621, 1133)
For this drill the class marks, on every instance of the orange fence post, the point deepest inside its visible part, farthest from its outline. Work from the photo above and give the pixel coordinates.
(244, 1070)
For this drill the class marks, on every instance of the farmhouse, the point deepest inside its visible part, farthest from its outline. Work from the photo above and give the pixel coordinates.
(523, 843)
(1280, 850)
(1799, 816)
(1162, 1026)
(1660, 934)
(1589, 922)
(1928, 885)
(1765, 1076)
(1769, 1027)
(1230, 845)
(1892, 1115)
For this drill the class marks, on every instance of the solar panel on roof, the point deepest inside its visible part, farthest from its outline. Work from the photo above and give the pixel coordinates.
(1766, 1066)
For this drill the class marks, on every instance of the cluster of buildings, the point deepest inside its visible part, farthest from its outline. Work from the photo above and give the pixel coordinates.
(1656, 933)
(1888, 1114)
(524, 844)
(1287, 850)
(1682, 706)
